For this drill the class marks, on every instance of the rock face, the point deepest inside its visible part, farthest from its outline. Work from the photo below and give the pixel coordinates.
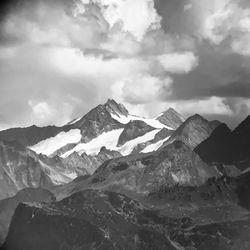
(89, 163)
(175, 164)
(193, 131)
(8, 206)
(77, 164)
(171, 118)
(19, 168)
(99, 120)
(22, 168)
(226, 147)
(154, 144)
(114, 108)
(133, 130)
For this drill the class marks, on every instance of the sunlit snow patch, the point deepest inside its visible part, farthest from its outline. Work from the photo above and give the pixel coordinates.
(154, 146)
(50, 145)
(110, 140)
(128, 147)
(152, 122)
(74, 121)
(107, 139)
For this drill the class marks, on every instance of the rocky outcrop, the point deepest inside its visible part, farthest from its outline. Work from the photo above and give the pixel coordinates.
(93, 162)
(193, 131)
(8, 206)
(20, 168)
(114, 108)
(133, 130)
(171, 118)
(87, 220)
(162, 135)
(84, 164)
(175, 164)
(98, 120)
(77, 164)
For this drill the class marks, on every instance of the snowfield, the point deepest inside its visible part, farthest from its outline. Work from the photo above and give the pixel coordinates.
(155, 146)
(151, 122)
(107, 139)
(110, 140)
(50, 145)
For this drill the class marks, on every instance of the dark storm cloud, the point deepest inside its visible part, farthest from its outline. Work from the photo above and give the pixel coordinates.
(216, 75)
(174, 17)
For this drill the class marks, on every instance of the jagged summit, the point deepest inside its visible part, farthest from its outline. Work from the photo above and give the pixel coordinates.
(171, 118)
(116, 108)
(110, 107)
(193, 131)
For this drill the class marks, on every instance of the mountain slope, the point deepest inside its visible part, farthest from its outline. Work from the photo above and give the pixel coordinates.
(22, 168)
(61, 154)
(19, 169)
(133, 130)
(193, 131)
(141, 174)
(171, 118)
(216, 147)
(108, 125)
(228, 147)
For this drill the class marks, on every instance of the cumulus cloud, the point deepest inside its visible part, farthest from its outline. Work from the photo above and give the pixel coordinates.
(211, 106)
(44, 113)
(149, 54)
(230, 22)
(142, 94)
(179, 63)
(135, 16)
(142, 89)
(95, 66)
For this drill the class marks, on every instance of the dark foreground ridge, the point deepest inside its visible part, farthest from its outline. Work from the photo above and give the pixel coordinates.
(94, 219)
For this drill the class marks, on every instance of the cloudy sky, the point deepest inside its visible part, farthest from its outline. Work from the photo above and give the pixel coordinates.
(59, 58)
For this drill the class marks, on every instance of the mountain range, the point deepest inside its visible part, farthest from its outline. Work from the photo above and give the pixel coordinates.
(113, 180)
